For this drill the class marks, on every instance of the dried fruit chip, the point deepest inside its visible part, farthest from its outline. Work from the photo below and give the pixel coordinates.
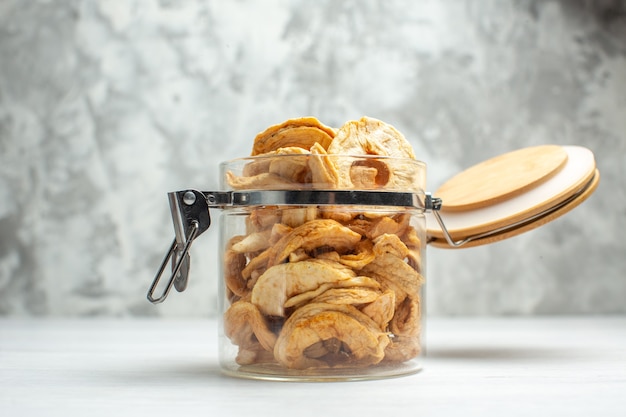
(253, 242)
(283, 281)
(302, 132)
(323, 168)
(320, 335)
(263, 181)
(370, 136)
(350, 296)
(382, 309)
(395, 274)
(356, 282)
(245, 326)
(373, 137)
(312, 235)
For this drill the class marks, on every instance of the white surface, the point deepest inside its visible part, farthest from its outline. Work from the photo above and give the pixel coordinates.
(499, 367)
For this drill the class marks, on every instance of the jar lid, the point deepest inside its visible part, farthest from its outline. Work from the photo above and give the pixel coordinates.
(511, 194)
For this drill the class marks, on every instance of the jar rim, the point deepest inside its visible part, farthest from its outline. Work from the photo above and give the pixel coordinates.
(338, 156)
(323, 171)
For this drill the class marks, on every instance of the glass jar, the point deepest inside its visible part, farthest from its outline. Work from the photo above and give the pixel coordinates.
(323, 256)
(321, 283)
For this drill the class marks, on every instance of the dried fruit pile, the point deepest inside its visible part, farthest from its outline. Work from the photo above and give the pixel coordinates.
(325, 286)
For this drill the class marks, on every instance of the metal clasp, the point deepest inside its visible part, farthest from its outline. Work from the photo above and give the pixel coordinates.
(433, 205)
(191, 218)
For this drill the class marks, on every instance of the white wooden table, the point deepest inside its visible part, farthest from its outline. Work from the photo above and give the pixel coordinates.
(566, 366)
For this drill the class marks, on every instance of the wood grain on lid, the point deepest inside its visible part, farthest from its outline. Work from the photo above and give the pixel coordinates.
(501, 177)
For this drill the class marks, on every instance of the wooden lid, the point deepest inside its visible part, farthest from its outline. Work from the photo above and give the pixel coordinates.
(502, 177)
(512, 193)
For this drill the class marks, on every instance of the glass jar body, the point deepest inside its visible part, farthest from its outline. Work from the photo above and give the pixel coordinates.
(321, 293)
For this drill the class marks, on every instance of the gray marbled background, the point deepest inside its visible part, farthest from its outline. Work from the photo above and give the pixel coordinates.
(105, 106)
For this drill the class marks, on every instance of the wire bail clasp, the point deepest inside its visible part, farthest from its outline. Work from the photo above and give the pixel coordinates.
(190, 215)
